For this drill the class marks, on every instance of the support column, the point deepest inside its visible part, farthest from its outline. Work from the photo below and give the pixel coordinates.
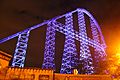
(20, 51)
(69, 59)
(49, 52)
(85, 56)
(99, 54)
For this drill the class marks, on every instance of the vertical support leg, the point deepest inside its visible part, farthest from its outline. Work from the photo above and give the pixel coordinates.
(20, 52)
(69, 59)
(85, 56)
(98, 53)
(48, 62)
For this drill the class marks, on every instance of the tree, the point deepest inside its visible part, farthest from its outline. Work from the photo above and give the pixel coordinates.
(114, 65)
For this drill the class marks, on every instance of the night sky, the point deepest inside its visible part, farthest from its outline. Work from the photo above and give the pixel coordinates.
(17, 15)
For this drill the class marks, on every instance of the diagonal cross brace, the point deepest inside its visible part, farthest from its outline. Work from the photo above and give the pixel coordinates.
(76, 35)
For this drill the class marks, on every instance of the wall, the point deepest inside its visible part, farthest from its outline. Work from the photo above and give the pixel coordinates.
(41, 74)
(81, 77)
(29, 74)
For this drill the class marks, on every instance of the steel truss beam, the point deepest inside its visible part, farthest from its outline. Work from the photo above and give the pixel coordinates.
(85, 55)
(69, 55)
(48, 62)
(20, 51)
(69, 60)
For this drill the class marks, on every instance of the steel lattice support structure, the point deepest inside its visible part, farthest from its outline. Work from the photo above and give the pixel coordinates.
(99, 54)
(48, 62)
(69, 60)
(70, 56)
(20, 51)
(85, 56)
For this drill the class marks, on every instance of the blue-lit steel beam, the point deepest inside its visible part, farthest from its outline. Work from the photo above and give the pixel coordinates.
(71, 34)
(48, 62)
(76, 35)
(58, 17)
(20, 51)
(85, 55)
(99, 54)
(69, 59)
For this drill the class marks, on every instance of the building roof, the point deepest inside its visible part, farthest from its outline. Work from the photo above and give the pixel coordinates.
(5, 56)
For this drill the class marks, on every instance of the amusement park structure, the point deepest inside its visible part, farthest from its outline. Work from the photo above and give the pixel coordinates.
(70, 58)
